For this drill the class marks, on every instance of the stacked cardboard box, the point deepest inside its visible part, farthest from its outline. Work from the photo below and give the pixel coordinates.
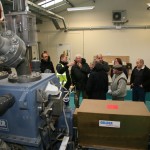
(120, 124)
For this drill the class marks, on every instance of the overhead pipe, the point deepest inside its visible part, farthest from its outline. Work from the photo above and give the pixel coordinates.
(53, 15)
(108, 28)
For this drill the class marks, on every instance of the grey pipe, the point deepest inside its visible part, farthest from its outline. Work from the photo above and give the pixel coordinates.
(108, 28)
(19, 5)
(4, 45)
(53, 15)
(13, 53)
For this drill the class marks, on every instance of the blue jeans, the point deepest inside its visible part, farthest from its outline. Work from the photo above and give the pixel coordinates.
(138, 94)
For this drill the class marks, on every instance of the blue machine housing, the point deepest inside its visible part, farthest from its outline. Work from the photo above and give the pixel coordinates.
(20, 124)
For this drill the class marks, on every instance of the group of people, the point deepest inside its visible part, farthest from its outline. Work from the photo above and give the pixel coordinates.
(92, 80)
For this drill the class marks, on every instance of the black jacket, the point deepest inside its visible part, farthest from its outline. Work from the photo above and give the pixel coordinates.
(80, 75)
(61, 69)
(47, 65)
(145, 78)
(97, 85)
(105, 66)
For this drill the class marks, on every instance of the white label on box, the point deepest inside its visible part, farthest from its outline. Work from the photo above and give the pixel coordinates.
(109, 124)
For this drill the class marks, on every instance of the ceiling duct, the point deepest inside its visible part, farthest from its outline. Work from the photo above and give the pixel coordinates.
(49, 14)
(21, 5)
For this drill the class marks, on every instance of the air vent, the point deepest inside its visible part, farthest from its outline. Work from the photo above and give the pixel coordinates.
(119, 16)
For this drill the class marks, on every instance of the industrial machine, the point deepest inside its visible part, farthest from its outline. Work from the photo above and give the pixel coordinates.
(32, 114)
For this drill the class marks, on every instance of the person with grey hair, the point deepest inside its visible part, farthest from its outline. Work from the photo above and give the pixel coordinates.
(140, 81)
(119, 82)
(79, 75)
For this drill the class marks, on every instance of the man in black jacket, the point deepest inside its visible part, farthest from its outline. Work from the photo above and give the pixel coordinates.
(97, 84)
(46, 64)
(140, 81)
(99, 58)
(79, 74)
(63, 71)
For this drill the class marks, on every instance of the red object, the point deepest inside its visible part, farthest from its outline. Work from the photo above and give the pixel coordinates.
(111, 106)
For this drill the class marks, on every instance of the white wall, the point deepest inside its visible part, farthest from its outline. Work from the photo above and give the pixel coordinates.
(132, 42)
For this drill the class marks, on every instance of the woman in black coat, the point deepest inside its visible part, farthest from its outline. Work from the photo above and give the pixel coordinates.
(97, 84)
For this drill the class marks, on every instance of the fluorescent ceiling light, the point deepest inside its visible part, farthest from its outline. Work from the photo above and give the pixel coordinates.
(148, 4)
(80, 8)
(48, 3)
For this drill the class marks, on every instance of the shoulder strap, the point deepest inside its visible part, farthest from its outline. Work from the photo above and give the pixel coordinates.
(120, 79)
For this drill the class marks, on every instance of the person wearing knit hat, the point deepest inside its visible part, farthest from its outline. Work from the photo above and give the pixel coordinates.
(119, 83)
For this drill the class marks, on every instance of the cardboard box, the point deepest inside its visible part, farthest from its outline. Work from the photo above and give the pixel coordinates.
(123, 124)
(75, 117)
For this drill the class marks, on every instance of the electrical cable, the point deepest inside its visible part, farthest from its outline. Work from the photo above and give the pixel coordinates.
(66, 121)
(67, 94)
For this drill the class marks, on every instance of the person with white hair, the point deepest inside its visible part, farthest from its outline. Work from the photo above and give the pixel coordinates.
(140, 81)
(79, 75)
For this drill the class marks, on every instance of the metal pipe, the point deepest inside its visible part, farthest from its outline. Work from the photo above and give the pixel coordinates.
(108, 28)
(12, 49)
(4, 45)
(19, 5)
(50, 13)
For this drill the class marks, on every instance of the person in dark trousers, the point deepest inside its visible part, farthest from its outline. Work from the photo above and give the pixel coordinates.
(97, 84)
(118, 61)
(46, 64)
(63, 71)
(140, 81)
(118, 87)
(79, 74)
